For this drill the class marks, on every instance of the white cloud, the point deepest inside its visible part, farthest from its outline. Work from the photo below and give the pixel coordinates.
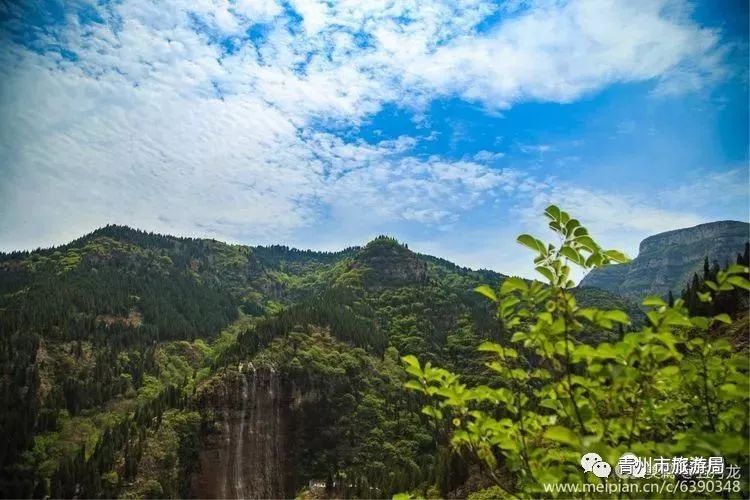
(431, 191)
(232, 169)
(258, 11)
(488, 156)
(550, 52)
(538, 149)
(607, 211)
(705, 189)
(615, 219)
(155, 123)
(560, 51)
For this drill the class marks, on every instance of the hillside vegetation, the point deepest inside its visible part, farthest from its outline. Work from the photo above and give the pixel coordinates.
(676, 387)
(123, 351)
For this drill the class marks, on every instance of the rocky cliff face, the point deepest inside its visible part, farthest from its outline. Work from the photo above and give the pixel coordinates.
(667, 261)
(248, 456)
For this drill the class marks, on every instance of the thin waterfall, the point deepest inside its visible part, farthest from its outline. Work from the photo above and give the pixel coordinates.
(239, 449)
(269, 435)
(254, 434)
(227, 432)
(249, 457)
(278, 459)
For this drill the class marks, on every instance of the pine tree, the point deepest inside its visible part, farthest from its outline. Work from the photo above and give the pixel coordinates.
(706, 269)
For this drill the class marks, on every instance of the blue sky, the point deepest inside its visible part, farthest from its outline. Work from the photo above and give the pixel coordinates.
(324, 124)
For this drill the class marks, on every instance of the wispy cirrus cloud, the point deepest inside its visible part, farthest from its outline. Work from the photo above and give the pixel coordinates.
(703, 189)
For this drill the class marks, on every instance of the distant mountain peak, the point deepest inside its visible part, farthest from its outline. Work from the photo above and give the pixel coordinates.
(387, 262)
(385, 240)
(667, 261)
(722, 228)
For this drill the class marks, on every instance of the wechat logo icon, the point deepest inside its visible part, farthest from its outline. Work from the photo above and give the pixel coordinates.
(592, 462)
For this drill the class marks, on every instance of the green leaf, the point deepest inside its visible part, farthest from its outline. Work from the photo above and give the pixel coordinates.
(490, 347)
(552, 404)
(605, 350)
(732, 391)
(616, 256)
(617, 316)
(700, 322)
(732, 445)
(563, 435)
(674, 318)
(512, 322)
(724, 318)
(587, 313)
(546, 272)
(432, 412)
(586, 241)
(529, 241)
(581, 231)
(594, 260)
(487, 291)
(413, 385)
(669, 371)
(736, 269)
(654, 301)
(519, 336)
(739, 282)
(402, 496)
(572, 225)
(564, 217)
(553, 212)
(508, 303)
(411, 360)
(572, 254)
(512, 284)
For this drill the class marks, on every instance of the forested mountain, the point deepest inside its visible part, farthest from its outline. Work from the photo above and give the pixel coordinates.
(120, 327)
(666, 261)
(141, 365)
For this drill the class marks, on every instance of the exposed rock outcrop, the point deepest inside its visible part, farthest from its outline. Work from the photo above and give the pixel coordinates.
(248, 456)
(667, 261)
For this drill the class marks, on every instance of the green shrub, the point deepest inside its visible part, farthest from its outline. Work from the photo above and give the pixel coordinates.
(672, 389)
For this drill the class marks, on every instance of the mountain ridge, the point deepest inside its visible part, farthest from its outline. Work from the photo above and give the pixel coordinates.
(666, 261)
(121, 325)
(133, 235)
